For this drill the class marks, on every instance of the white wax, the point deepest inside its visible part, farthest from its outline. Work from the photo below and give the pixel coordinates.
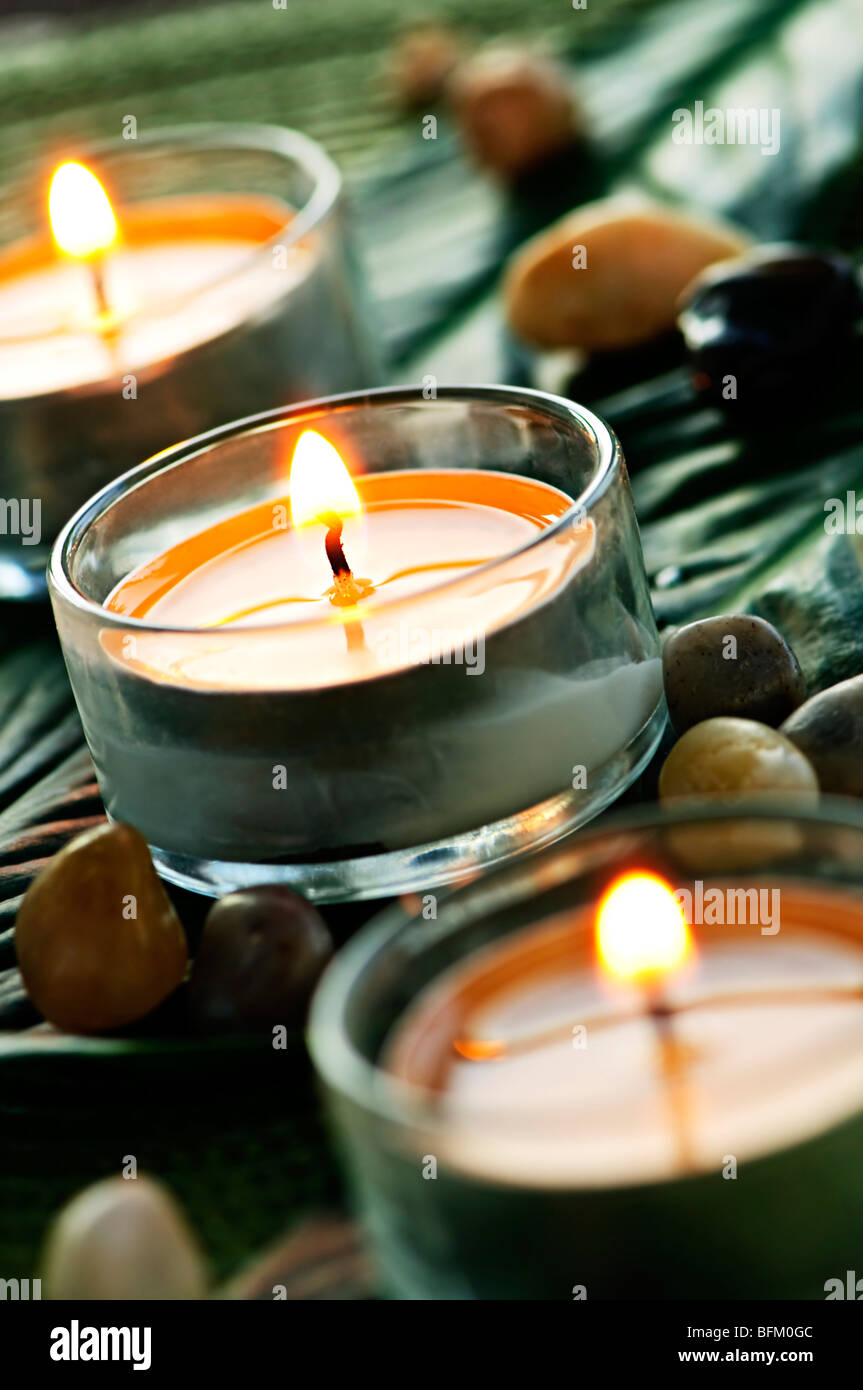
(279, 582)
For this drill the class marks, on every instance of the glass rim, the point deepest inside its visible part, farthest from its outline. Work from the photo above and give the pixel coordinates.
(608, 459)
(348, 1073)
(282, 141)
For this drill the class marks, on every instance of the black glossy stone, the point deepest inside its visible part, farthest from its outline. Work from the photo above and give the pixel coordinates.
(769, 329)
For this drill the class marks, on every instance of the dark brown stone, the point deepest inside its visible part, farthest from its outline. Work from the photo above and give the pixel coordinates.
(735, 665)
(261, 953)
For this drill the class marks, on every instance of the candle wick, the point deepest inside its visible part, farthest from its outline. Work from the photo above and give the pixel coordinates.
(675, 1082)
(106, 322)
(346, 591)
(97, 279)
(334, 548)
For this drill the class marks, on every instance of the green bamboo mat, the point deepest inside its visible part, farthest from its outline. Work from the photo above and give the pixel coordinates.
(726, 521)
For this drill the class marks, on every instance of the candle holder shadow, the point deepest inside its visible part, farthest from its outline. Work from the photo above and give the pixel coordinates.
(517, 1124)
(439, 760)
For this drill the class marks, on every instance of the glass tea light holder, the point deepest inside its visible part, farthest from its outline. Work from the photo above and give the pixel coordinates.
(630, 1067)
(431, 649)
(158, 288)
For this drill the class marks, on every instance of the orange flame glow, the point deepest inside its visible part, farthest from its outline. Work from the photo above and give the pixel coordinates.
(321, 486)
(82, 219)
(642, 935)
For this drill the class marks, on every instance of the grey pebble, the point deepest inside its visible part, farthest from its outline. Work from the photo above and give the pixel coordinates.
(735, 665)
(829, 730)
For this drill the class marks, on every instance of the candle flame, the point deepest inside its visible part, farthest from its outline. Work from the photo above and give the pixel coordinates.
(321, 486)
(642, 935)
(82, 219)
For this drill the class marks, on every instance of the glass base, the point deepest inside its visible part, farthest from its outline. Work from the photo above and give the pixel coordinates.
(428, 866)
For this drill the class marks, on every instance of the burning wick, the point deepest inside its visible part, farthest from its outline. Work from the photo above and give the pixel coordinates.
(346, 590)
(96, 268)
(84, 227)
(643, 938)
(323, 492)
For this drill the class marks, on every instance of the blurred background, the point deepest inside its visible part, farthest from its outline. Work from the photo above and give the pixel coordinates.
(433, 231)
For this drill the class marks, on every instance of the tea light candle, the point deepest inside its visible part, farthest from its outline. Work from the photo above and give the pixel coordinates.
(104, 302)
(123, 329)
(364, 665)
(421, 528)
(556, 1092)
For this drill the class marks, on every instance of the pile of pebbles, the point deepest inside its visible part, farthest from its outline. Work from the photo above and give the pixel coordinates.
(736, 700)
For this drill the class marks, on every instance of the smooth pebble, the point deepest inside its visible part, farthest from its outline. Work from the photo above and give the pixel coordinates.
(515, 110)
(609, 274)
(828, 729)
(737, 758)
(98, 941)
(260, 956)
(734, 664)
(123, 1238)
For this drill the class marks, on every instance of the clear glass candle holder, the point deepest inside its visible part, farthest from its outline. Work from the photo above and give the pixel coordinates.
(214, 339)
(419, 775)
(735, 1174)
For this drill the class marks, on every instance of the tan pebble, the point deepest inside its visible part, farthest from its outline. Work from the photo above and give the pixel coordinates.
(732, 758)
(123, 1239)
(97, 938)
(421, 64)
(635, 261)
(727, 762)
(515, 110)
